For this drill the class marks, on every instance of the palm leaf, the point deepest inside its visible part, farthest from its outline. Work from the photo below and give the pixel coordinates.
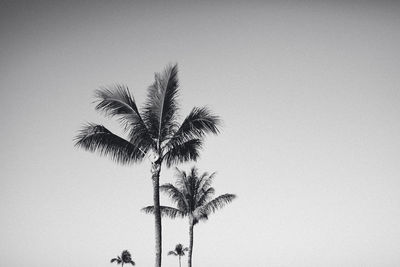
(204, 196)
(117, 101)
(199, 122)
(206, 180)
(118, 260)
(217, 203)
(176, 196)
(172, 253)
(165, 211)
(161, 104)
(96, 138)
(179, 153)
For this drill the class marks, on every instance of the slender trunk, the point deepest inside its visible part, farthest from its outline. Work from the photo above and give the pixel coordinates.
(155, 170)
(179, 260)
(190, 242)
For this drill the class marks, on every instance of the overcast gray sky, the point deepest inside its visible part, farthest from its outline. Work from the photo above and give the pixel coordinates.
(309, 94)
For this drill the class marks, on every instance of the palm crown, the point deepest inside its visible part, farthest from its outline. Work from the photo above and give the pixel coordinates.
(178, 251)
(192, 195)
(155, 131)
(124, 258)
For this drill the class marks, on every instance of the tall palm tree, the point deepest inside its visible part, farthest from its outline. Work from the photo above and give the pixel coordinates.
(178, 251)
(154, 132)
(124, 258)
(192, 195)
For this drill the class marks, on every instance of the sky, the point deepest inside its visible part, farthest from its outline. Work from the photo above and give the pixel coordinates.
(309, 94)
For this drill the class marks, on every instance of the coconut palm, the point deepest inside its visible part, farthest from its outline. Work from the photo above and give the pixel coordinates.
(154, 132)
(192, 195)
(124, 258)
(178, 251)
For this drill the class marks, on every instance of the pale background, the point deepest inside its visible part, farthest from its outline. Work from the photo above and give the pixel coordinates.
(309, 94)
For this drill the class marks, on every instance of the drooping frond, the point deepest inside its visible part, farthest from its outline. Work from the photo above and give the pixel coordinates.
(165, 211)
(161, 104)
(200, 217)
(217, 203)
(199, 122)
(118, 260)
(176, 196)
(118, 102)
(172, 253)
(179, 153)
(96, 138)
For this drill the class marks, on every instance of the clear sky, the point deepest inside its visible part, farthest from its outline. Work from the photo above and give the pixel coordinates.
(309, 92)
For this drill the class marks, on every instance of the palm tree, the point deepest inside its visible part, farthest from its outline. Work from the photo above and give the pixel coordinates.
(154, 132)
(124, 258)
(179, 251)
(192, 194)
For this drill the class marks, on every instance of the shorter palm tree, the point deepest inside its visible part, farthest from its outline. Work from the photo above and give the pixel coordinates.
(179, 251)
(193, 196)
(124, 258)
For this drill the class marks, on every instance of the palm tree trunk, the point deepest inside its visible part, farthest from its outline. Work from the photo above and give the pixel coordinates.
(155, 171)
(179, 260)
(190, 242)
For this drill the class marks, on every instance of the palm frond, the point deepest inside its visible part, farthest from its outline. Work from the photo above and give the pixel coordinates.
(172, 253)
(199, 122)
(201, 217)
(96, 138)
(161, 104)
(118, 102)
(181, 178)
(118, 260)
(176, 196)
(165, 211)
(217, 203)
(206, 181)
(189, 150)
(204, 196)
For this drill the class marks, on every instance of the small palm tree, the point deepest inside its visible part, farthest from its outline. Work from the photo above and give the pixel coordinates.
(154, 132)
(193, 196)
(125, 258)
(179, 251)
